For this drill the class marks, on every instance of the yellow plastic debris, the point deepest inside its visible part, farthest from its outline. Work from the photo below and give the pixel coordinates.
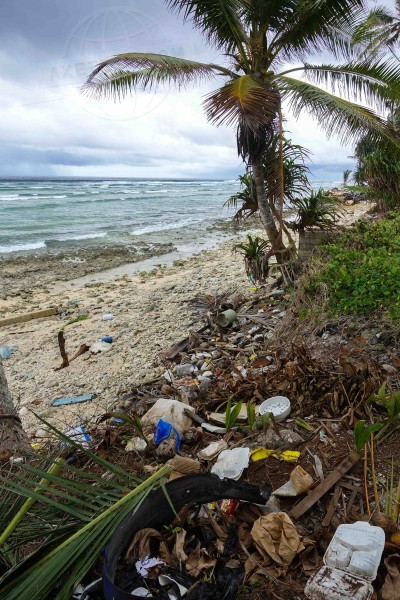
(286, 455)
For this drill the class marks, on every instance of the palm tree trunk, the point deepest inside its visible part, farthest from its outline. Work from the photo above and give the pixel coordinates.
(12, 437)
(266, 215)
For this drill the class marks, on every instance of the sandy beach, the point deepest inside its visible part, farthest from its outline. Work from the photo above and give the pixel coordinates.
(150, 310)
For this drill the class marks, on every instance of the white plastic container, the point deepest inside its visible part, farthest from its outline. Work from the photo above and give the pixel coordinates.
(232, 463)
(351, 564)
(356, 549)
(331, 584)
(279, 406)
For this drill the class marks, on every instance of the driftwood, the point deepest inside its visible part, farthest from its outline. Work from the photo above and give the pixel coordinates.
(325, 485)
(39, 314)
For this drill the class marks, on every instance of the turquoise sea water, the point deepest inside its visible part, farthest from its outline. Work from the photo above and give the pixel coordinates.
(51, 215)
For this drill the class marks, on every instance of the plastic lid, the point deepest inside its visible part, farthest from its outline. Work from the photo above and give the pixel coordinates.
(356, 549)
(279, 406)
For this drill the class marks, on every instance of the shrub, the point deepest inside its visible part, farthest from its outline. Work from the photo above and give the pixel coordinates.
(362, 268)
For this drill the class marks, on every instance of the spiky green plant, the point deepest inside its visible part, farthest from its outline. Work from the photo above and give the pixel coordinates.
(316, 210)
(231, 414)
(73, 515)
(346, 176)
(256, 253)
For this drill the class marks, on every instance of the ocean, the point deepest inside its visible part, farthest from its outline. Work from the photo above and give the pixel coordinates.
(60, 214)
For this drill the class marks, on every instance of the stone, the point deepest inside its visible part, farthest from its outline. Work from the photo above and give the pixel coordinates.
(290, 438)
(183, 370)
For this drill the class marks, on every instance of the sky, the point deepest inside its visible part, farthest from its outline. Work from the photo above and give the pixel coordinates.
(48, 128)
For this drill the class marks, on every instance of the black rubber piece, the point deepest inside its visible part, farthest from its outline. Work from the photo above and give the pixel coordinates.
(155, 512)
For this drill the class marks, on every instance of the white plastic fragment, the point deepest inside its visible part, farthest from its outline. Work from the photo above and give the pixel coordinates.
(232, 463)
(143, 565)
(212, 450)
(100, 347)
(171, 411)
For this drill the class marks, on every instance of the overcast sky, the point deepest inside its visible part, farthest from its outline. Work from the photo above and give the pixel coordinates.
(48, 128)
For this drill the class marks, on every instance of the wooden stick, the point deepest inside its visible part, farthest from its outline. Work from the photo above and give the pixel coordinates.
(39, 314)
(324, 487)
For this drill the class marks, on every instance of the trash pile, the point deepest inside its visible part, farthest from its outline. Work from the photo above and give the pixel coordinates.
(232, 410)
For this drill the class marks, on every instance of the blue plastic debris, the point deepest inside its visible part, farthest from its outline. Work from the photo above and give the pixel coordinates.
(73, 400)
(108, 339)
(79, 436)
(163, 431)
(5, 352)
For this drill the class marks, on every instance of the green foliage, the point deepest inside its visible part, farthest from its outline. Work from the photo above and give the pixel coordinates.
(316, 210)
(362, 433)
(133, 420)
(346, 176)
(251, 416)
(77, 319)
(231, 414)
(256, 252)
(72, 514)
(391, 402)
(362, 267)
(247, 196)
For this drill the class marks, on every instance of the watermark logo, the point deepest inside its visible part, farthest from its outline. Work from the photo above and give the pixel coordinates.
(101, 36)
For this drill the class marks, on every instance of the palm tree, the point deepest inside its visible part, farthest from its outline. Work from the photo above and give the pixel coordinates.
(380, 30)
(12, 436)
(258, 38)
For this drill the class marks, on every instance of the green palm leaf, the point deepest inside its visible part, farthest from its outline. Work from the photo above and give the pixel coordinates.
(219, 20)
(337, 116)
(243, 100)
(121, 74)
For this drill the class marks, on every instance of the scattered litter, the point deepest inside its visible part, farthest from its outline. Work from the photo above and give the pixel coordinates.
(143, 566)
(100, 347)
(300, 481)
(286, 455)
(226, 318)
(108, 339)
(213, 428)
(136, 444)
(276, 537)
(108, 317)
(142, 593)
(5, 352)
(351, 564)
(79, 436)
(232, 463)
(212, 450)
(184, 466)
(180, 592)
(171, 411)
(73, 400)
(278, 406)
(164, 431)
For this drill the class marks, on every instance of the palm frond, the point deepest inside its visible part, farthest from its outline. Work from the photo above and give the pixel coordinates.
(121, 74)
(337, 116)
(314, 26)
(218, 20)
(373, 82)
(71, 559)
(242, 100)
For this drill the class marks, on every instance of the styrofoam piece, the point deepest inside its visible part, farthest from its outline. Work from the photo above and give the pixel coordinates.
(332, 584)
(212, 450)
(232, 463)
(279, 406)
(220, 418)
(356, 549)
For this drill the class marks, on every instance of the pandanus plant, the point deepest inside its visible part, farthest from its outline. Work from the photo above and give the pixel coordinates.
(258, 40)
